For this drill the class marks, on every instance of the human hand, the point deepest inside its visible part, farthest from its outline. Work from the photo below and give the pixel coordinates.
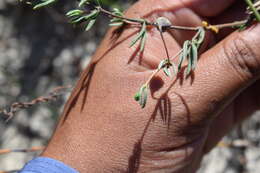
(104, 130)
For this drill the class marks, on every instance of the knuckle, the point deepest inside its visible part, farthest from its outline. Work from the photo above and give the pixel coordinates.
(243, 57)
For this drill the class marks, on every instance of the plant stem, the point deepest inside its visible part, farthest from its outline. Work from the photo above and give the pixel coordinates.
(228, 25)
(177, 54)
(139, 21)
(165, 47)
(157, 70)
(186, 28)
(151, 77)
(176, 27)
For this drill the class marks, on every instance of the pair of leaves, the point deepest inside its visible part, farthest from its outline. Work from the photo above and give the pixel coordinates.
(200, 36)
(190, 51)
(193, 58)
(75, 13)
(78, 16)
(44, 3)
(168, 68)
(141, 96)
(115, 21)
(142, 36)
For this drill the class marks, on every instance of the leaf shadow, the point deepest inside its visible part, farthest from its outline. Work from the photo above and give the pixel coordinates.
(86, 77)
(163, 109)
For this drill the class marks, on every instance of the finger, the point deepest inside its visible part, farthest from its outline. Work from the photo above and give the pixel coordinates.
(222, 73)
(204, 8)
(176, 11)
(208, 8)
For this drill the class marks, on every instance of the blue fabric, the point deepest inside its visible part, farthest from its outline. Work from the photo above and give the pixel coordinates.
(46, 165)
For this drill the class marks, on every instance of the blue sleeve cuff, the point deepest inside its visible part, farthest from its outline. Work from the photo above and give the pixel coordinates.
(46, 165)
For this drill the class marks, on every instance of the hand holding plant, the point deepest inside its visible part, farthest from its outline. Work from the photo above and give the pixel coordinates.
(215, 87)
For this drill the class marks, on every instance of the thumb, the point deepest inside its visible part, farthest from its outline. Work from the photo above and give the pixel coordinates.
(226, 69)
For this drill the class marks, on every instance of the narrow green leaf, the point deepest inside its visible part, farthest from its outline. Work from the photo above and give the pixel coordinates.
(77, 20)
(43, 4)
(143, 98)
(90, 24)
(242, 27)
(116, 24)
(93, 14)
(83, 2)
(194, 55)
(190, 61)
(143, 40)
(133, 42)
(253, 9)
(143, 27)
(98, 2)
(26, 2)
(181, 59)
(184, 53)
(162, 64)
(139, 36)
(201, 35)
(116, 20)
(167, 71)
(186, 48)
(174, 69)
(75, 12)
(117, 12)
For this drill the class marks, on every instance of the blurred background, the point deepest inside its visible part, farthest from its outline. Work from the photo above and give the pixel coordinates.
(39, 51)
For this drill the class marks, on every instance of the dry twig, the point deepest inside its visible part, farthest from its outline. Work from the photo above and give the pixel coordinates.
(15, 107)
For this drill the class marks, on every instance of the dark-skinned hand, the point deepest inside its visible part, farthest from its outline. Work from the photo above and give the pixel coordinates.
(103, 129)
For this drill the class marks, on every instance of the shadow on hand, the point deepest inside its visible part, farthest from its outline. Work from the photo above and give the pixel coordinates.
(163, 108)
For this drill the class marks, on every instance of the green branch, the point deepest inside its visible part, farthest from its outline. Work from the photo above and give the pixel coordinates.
(253, 9)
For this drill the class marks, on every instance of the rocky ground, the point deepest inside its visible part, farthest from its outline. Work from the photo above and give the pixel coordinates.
(39, 51)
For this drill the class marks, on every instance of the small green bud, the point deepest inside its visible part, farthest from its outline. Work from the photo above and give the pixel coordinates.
(137, 96)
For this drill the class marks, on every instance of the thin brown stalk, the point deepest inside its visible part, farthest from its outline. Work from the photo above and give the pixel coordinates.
(151, 77)
(139, 21)
(26, 150)
(185, 28)
(165, 46)
(230, 25)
